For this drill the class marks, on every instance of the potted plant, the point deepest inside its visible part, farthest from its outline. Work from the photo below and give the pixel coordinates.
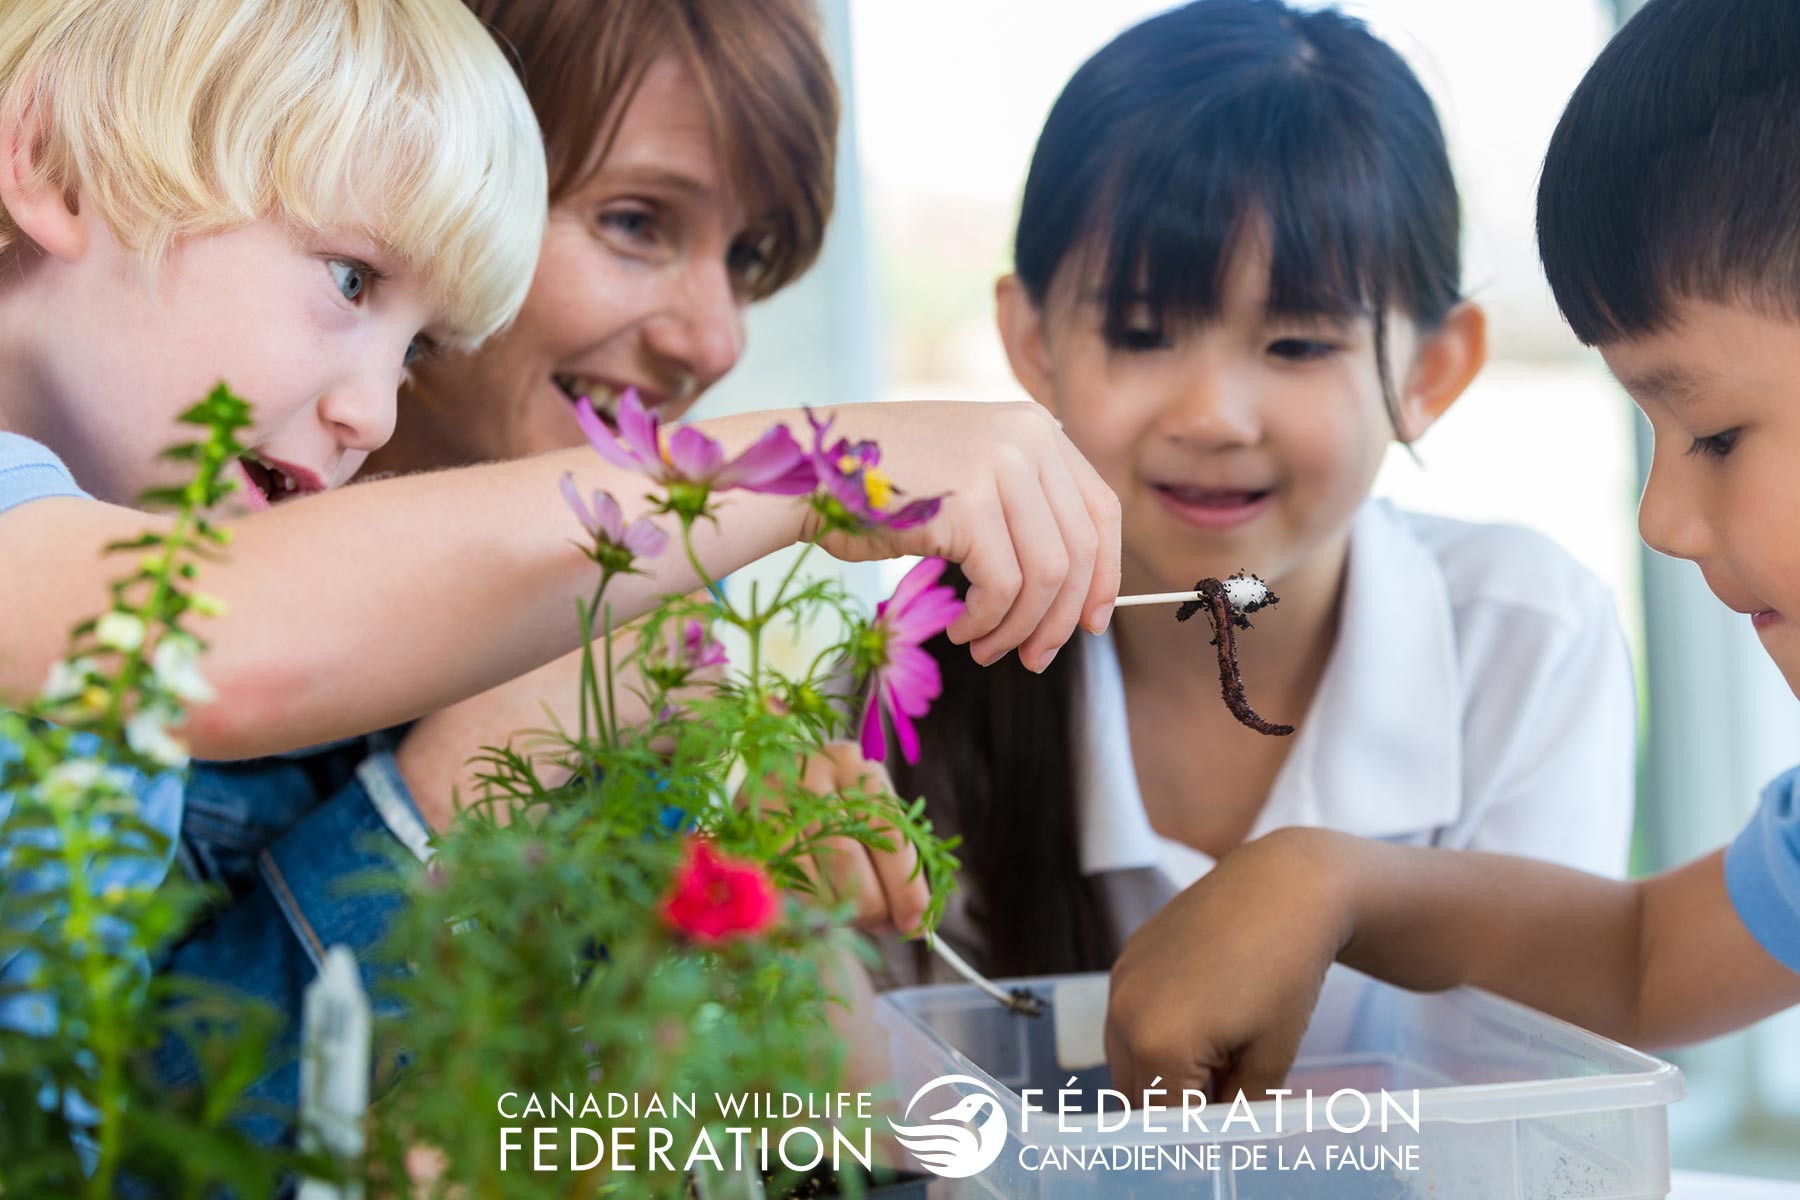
(647, 932)
(649, 929)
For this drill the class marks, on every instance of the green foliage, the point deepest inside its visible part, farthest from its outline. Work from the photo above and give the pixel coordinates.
(536, 960)
(74, 903)
(534, 951)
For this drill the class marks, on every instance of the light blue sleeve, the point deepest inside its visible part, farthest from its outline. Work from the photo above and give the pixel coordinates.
(28, 471)
(1762, 871)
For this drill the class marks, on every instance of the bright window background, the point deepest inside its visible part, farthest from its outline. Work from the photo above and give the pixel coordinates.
(944, 102)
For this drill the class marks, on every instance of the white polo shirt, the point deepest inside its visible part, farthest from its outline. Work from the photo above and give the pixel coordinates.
(1480, 696)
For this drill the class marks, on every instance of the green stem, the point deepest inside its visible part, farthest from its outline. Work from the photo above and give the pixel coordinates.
(781, 592)
(612, 699)
(707, 581)
(103, 1016)
(756, 618)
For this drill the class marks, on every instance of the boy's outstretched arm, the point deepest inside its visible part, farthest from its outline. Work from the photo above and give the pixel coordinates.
(1217, 989)
(360, 609)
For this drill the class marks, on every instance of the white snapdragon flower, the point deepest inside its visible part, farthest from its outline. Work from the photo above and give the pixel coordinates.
(148, 735)
(120, 631)
(68, 679)
(176, 666)
(80, 779)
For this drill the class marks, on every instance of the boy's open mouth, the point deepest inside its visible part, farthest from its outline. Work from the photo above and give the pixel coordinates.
(271, 482)
(603, 396)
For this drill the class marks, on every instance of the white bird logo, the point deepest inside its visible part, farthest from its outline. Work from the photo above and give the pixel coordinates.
(949, 1147)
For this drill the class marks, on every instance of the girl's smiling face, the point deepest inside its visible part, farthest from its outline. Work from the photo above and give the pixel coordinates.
(1245, 443)
(643, 280)
(1717, 386)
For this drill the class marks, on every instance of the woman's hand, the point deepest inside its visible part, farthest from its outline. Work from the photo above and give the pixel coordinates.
(887, 887)
(1030, 522)
(1214, 992)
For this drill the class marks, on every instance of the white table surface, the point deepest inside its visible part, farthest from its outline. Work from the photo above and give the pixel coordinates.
(1702, 1185)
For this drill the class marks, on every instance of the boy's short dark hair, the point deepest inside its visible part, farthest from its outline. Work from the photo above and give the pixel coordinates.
(1675, 170)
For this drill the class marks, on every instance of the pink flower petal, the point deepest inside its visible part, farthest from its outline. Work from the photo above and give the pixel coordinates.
(572, 497)
(775, 463)
(639, 428)
(602, 440)
(645, 539)
(916, 582)
(874, 741)
(907, 735)
(914, 514)
(913, 681)
(925, 618)
(609, 517)
(694, 455)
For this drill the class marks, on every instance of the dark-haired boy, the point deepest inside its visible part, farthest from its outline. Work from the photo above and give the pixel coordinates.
(1668, 229)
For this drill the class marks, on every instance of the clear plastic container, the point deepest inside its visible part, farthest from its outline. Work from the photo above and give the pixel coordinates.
(1510, 1103)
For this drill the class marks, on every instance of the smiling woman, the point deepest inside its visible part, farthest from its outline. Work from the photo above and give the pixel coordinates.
(691, 151)
(691, 148)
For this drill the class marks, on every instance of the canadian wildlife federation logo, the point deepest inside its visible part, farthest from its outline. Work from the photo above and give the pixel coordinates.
(960, 1141)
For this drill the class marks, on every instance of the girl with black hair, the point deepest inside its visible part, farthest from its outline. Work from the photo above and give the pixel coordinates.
(1237, 282)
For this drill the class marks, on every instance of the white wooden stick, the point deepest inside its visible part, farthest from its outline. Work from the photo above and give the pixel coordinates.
(1156, 598)
(1028, 1005)
(1246, 593)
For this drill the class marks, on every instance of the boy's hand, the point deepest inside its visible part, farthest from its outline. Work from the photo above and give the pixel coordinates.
(1215, 991)
(887, 886)
(1030, 522)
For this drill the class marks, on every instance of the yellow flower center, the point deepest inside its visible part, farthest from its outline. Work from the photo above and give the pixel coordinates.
(878, 487)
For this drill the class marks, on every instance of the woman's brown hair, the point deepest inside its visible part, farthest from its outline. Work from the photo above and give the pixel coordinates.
(763, 77)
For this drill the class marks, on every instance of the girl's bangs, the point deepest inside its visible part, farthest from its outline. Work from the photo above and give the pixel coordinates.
(1268, 165)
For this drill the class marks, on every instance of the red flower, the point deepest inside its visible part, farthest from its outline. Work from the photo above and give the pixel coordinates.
(715, 898)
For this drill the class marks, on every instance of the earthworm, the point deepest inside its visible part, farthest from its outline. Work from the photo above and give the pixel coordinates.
(1225, 616)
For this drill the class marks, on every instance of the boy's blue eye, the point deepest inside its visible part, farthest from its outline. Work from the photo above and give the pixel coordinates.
(1716, 445)
(1301, 349)
(352, 279)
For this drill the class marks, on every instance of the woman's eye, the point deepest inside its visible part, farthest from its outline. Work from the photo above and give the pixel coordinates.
(634, 224)
(352, 279)
(1301, 350)
(420, 348)
(748, 261)
(1717, 445)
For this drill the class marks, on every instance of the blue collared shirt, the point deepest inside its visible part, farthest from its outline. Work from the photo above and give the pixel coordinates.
(1762, 871)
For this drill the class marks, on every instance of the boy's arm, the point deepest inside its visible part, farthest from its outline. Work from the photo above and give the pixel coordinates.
(1217, 989)
(360, 609)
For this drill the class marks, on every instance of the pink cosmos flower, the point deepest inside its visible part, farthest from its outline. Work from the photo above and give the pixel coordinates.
(605, 523)
(851, 474)
(715, 898)
(904, 679)
(775, 463)
(698, 649)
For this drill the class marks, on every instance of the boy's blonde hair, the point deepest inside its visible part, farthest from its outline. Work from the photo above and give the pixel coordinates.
(399, 119)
